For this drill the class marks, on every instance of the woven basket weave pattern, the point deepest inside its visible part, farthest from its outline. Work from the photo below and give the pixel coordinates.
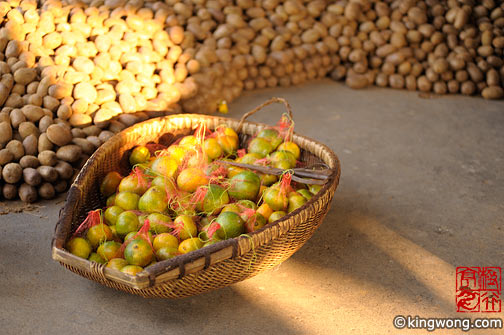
(263, 250)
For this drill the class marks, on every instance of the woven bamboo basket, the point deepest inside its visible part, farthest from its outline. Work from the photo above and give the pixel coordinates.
(209, 268)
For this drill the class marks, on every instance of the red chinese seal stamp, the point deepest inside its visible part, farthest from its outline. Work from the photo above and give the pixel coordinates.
(478, 289)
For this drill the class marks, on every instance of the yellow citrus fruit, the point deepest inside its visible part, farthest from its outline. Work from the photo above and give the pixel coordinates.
(265, 210)
(292, 147)
(117, 263)
(212, 148)
(189, 228)
(99, 234)
(191, 178)
(189, 245)
(79, 247)
(165, 240)
(132, 269)
(108, 250)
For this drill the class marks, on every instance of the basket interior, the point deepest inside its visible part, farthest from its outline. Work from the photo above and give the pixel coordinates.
(92, 198)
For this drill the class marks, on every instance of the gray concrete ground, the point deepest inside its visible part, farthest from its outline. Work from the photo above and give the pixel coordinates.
(421, 192)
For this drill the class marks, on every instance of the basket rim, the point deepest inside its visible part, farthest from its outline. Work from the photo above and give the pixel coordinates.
(202, 258)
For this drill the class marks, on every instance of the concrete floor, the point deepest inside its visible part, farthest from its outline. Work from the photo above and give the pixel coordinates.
(421, 192)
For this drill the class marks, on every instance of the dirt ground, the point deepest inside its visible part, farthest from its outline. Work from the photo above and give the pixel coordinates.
(421, 193)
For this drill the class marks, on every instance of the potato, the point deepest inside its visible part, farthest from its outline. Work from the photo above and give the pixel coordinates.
(27, 193)
(48, 173)
(32, 113)
(65, 170)
(5, 132)
(31, 145)
(10, 191)
(31, 176)
(86, 146)
(46, 191)
(26, 129)
(29, 161)
(16, 148)
(16, 117)
(69, 153)
(59, 134)
(60, 186)
(44, 143)
(12, 173)
(45, 122)
(47, 157)
(6, 156)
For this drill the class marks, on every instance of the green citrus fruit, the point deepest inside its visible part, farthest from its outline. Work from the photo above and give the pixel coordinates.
(283, 160)
(127, 200)
(275, 198)
(255, 222)
(159, 223)
(138, 252)
(231, 208)
(132, 184)
(154, 200)
(314, 189)
(134, 233)
(111, 214)
(110, 183)
(276, 216)
(260, 146)
(165, 253)
(272, 136)
(245, 185)
(94, 257)
(111, 200)
(139, 155)
(167, 184)
(268, 179)
(216, 197)
(296, 200)
(305, 193)
(231, 225)
(127, 222)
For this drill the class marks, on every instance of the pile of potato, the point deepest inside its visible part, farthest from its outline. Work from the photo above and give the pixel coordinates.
(73, 73)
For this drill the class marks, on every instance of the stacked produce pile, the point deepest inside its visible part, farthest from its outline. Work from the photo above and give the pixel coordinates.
(184, 197)
(73, 73)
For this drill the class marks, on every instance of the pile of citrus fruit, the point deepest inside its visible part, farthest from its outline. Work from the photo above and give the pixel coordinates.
(184, 197)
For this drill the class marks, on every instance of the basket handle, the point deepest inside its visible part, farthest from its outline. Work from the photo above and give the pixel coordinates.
(269, 102)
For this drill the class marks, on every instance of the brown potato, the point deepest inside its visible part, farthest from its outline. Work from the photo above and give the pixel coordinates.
(10, 191)
(29, 161)
(31, 176)
(16, 148)
(46, 191)
(47, 157)
(12, 173)
(48, 173)
(27, 193)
